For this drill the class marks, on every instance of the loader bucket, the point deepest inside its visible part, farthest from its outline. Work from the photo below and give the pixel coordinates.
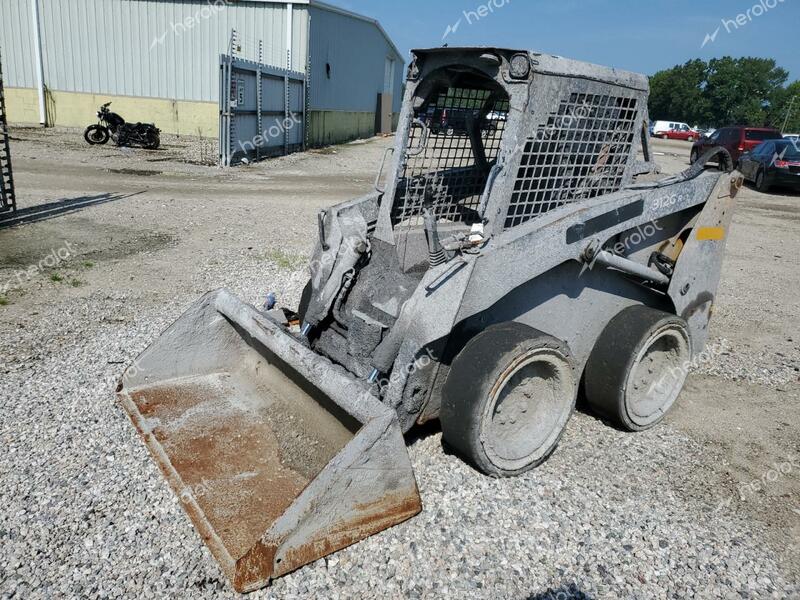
(278, 457)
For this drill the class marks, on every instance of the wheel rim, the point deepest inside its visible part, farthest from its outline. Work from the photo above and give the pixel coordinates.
(96, 135)
(528, 407)
(657, 375)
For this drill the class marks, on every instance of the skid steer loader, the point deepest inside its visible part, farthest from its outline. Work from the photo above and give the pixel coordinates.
(521, 247)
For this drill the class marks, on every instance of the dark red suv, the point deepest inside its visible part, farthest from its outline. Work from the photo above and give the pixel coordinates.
(737, 140)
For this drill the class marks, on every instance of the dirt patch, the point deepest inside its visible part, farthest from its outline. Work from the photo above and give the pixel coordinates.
(75, 239)
(753, 462)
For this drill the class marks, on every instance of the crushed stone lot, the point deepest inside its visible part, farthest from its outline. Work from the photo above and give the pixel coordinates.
(706, 505)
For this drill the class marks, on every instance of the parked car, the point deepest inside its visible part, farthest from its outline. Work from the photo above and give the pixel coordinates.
(454, 121)
(669, 130)
(794, 137)
(735, 139)
(772, 163)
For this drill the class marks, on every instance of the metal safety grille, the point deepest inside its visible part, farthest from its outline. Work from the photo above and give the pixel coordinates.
(581, 152)
(7, 200)
(442, 166)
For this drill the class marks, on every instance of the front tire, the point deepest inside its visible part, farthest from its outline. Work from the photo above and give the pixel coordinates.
(507, 399)
(693, 156)
(638, 367)
(96, 135)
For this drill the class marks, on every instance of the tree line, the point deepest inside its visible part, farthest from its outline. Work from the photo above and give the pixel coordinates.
(726, 91)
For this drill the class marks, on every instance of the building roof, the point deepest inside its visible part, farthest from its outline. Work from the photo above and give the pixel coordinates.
(340, 11)
(375, 22)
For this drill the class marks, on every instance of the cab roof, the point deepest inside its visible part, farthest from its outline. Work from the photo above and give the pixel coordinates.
(549, 64)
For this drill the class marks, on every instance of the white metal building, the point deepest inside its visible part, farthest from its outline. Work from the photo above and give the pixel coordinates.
(158, 60)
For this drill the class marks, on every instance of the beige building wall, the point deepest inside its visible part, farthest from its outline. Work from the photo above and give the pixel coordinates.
(181, 117)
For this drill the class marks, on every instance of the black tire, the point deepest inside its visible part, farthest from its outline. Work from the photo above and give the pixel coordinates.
(690, 138)
(503, 359)
(153, 141)
(693, 156)
(96, 135)
(761, 182)
(638, 367)
(664, 136)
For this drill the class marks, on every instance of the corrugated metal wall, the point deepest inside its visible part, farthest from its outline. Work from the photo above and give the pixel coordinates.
(152, 48)
(16, 43)
(356, 52)
(170, 48)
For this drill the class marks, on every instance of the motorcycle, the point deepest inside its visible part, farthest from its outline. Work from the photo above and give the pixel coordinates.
(113, 126)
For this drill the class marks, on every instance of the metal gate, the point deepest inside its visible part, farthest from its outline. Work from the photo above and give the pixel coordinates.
(262, 110)
(7, 200)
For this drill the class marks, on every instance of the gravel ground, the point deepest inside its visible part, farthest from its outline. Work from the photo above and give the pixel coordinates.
(84, 512)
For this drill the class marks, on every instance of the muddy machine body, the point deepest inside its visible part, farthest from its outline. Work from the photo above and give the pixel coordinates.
(524, 253)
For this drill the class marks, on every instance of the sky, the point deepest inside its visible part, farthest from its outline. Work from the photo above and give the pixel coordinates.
(638, 35)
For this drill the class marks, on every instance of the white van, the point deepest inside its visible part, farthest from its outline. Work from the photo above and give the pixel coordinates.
(665, 126)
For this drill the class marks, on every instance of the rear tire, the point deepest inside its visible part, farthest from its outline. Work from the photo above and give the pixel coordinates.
(664, 136)
(153, 141)
(638, 367)
(761, 182)
(507, 399)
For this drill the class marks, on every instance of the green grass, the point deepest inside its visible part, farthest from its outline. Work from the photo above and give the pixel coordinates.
(77, 283)
(285, 261)
(87, 264)
(56, 277)
(3, 301)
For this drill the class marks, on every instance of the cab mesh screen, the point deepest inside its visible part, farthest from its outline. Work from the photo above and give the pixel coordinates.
(582, 151)
(440, 164)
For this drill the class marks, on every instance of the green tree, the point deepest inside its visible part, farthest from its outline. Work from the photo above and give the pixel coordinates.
(786, 103)
(677, 93)
(740, 90)
(724, 91)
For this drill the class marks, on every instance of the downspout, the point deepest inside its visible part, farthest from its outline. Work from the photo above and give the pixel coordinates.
(307, 83)
(289, 31)
(289, 35)
(37, 46)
